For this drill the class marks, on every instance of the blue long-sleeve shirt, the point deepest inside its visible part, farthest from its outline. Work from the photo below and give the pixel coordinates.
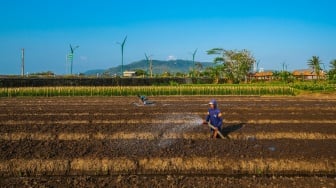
(213, 117)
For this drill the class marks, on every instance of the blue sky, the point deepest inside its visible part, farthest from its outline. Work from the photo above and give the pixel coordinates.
(275, 31)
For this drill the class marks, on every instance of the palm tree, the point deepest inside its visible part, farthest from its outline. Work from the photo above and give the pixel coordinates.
(314, 63)
(333, 64)
(332, 71)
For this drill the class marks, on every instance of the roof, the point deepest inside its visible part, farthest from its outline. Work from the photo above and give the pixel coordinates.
(260, 74)
(306, 72)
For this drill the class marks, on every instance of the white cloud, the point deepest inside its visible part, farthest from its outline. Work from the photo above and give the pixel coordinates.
(171, 58)
(83, 58)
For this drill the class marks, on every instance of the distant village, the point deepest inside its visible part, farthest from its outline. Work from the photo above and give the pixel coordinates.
(269, 75)
(301, 74)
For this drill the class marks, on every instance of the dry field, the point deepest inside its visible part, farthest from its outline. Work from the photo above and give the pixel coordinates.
(111, 142)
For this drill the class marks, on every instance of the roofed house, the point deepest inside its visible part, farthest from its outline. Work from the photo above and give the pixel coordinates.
(308, 74)
(262, 75)
(129, 73)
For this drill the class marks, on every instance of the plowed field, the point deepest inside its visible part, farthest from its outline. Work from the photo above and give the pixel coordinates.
(111, 142)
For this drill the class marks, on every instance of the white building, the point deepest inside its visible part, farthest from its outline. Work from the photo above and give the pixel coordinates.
(129, 73)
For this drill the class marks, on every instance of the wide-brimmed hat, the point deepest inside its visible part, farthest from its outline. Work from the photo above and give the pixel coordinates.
(213, 101)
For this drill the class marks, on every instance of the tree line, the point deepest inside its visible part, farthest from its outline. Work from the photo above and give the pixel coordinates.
(235, 66)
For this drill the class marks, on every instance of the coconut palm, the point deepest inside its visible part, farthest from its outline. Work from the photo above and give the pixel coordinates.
(332, 71)
(333, 64)
(315, 64)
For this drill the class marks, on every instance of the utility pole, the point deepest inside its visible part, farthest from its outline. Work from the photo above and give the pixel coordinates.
(22, 62)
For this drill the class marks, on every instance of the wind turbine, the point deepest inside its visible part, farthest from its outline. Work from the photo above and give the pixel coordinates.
(193, 59)
(122, 54)
(284, 66)
(72, 50)
(150, 64)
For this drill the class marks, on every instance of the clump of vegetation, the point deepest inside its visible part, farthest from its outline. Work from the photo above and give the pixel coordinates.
(314, 86)
(173, 89)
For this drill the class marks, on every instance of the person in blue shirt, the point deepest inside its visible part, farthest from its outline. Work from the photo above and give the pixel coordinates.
(214, 117)
(143, 99)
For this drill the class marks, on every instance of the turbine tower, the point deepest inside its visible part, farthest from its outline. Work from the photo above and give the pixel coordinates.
(122, 55)
(193, 59)
(71, 56)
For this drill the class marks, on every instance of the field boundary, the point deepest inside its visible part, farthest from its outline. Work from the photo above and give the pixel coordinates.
(167, 135)
(190, 165)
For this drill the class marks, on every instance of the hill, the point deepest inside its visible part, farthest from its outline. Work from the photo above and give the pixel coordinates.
(159, 67)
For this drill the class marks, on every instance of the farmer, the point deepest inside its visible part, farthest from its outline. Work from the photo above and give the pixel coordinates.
(214, 117)
(143, 99)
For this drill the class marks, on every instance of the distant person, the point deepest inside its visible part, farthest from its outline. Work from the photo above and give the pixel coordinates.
(144, 100)
(214, 117)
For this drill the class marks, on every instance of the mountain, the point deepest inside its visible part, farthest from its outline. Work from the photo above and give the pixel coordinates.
(159, 67)
(94, 72)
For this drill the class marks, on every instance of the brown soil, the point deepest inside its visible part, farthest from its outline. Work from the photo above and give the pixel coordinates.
(111, 142)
